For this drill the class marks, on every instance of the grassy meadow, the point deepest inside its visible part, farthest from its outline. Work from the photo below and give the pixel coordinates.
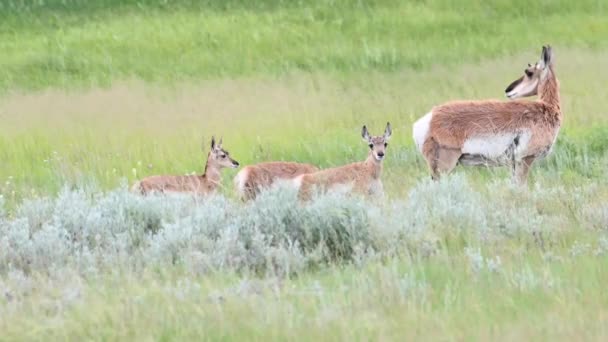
(94, 95)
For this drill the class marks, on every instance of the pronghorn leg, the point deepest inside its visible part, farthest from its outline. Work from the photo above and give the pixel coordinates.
(430, 150)
(521, 170)
(447, 158)
(440, 160)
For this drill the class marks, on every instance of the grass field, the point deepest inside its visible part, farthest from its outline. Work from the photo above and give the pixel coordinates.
(94, 95)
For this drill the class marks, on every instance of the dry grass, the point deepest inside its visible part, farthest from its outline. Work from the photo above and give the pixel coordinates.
(106, 133)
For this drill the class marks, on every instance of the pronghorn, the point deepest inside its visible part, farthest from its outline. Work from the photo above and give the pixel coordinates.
(492, 132)
(254, 178)
(205, 184)
(364, 177)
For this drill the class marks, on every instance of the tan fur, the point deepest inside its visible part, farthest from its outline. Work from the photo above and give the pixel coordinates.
(201, 185)
(254, 178)
(363, 177)
(453, 123)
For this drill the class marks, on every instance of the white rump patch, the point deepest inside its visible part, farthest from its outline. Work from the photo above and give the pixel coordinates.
(136, 188)
(241, 179)
(421, 129)
(297, 182)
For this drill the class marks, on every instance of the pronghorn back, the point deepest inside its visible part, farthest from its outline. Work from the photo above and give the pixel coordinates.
(204, 184)
(254, 178)
(163, 184)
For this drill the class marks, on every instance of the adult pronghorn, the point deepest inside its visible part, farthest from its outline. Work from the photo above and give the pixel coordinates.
(364, 177)
(492, 132)
(254, 178)
(205, 184)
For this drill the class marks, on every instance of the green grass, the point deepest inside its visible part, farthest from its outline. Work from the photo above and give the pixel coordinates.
(109, 90)
(441, 298)
(57, 137)
(95, 43)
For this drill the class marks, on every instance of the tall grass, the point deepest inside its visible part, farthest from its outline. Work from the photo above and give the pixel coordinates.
(134, 130)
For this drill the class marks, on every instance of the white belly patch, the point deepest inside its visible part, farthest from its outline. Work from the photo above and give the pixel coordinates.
(499, 146)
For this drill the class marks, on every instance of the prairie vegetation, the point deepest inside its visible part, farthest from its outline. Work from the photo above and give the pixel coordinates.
(97, 94)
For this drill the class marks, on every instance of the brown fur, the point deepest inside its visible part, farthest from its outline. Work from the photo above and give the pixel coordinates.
(453, 123)
(201, 185)
(361, 176)
(364, 177)
(254, 178)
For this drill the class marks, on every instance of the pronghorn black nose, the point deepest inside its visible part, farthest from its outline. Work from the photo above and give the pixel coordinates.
(380, 154)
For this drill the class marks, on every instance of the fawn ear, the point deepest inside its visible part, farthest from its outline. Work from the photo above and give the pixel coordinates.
(219, 145)
(212, 142)
(365, 134)
(388, 131)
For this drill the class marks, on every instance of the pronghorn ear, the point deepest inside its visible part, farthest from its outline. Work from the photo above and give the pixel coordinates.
(365, 133)
(212, 142)
(544, 58)
(219, 145)
(388, 131)
(548, 55)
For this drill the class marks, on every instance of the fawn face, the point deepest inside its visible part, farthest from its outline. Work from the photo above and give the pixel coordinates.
(220, 156)
(377, 144)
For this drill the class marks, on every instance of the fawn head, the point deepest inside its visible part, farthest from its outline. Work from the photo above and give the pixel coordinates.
(220, 156)
(377, 144)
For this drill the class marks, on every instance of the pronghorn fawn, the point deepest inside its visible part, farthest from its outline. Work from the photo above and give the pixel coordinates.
(492, 132)
(364, 177)
(252, 179)
(205, 184)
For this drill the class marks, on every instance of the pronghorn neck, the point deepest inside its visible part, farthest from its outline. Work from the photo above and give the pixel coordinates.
(212, 172)
(548, 90)
(374, 165)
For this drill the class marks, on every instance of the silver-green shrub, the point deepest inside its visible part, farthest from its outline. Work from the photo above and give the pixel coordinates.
(92, 231)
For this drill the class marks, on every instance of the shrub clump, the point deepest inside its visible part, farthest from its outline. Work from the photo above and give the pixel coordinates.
(92, 231)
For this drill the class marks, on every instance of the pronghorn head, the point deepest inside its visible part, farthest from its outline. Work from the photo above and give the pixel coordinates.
(220, 156)
(527, 85)
(377, 144)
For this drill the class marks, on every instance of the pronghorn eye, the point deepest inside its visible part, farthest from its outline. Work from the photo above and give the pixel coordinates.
(371, 145)
(529, 73)
(223, 156)
(385, 144)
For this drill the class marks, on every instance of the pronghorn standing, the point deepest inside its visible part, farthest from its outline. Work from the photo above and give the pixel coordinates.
(364, 177)
(495, 133)
(205, 184)
(254, 178)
